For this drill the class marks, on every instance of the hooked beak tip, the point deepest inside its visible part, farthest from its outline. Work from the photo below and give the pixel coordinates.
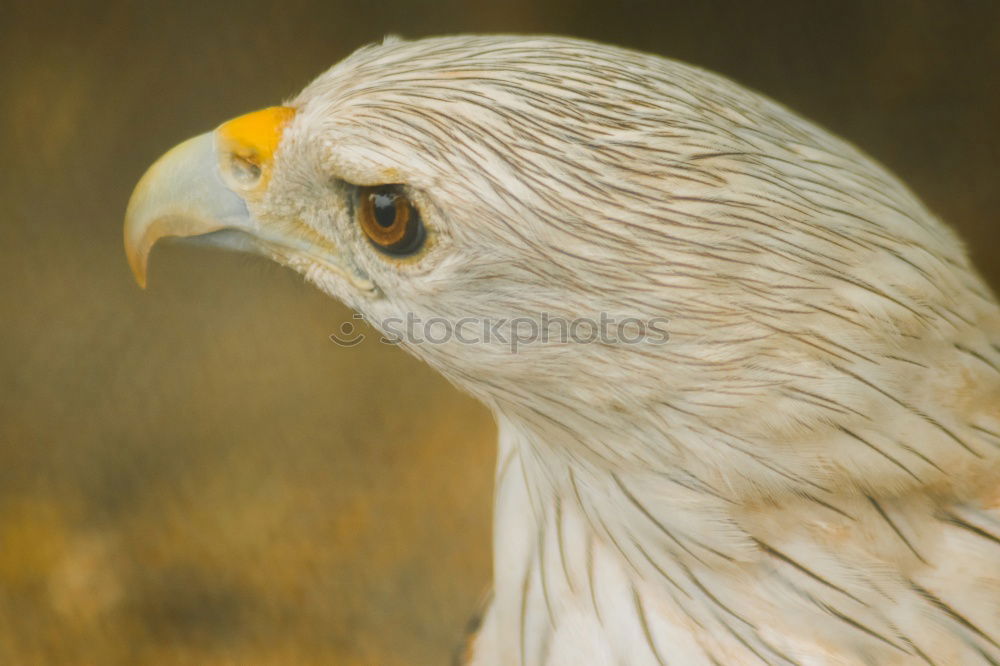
(137, 262)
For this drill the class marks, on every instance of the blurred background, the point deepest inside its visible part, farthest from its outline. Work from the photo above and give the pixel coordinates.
(195, 474)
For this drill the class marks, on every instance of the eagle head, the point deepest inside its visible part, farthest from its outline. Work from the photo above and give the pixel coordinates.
(754, 300)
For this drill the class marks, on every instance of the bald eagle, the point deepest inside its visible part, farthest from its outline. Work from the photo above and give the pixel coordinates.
(804, 472)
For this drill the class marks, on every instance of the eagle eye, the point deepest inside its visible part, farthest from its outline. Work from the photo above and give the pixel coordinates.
(389, 219)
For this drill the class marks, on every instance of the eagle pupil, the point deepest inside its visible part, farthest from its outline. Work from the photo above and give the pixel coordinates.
(384, 207)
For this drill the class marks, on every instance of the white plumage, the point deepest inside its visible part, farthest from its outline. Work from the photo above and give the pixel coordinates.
(805, 473)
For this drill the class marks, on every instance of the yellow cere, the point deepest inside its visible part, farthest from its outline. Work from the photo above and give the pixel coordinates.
(255, 136)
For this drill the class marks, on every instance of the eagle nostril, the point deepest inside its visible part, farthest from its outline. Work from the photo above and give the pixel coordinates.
(245, 171)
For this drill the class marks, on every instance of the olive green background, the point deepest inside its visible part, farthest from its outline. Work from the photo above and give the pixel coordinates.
(195, 474)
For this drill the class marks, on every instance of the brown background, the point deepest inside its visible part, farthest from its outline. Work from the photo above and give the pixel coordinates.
(196, 475)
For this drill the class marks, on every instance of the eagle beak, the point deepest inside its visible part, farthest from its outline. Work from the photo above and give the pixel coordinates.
(203, 185)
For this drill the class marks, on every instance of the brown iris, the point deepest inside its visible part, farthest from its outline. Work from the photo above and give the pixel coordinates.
(389, 219)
